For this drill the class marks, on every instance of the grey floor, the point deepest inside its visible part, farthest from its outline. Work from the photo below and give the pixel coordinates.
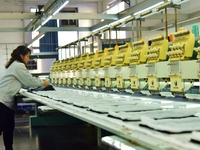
(66, 137)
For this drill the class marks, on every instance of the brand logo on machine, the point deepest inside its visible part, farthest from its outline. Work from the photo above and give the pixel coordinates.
(107, 83)
(119, 83)
(152, 84)
(175, 85)
(134, 83)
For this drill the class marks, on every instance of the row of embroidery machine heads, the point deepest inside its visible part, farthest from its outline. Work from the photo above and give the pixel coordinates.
(163, 68)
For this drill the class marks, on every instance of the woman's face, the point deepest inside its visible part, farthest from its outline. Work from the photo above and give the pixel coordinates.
(25, 58)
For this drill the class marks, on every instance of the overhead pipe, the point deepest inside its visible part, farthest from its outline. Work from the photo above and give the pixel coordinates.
(133, 33)
(109, 37)
(79, 47)
(83, 51)
(65, 52)
(140, 29)
(61, 53)
(85, 46)
(116, 37)
(74, 49)
(92, 48)
(175, 19)
(129, 20)
(69, 50)
(166, 23)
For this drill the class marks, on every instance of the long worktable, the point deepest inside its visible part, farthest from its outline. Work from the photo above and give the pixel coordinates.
(129, 130)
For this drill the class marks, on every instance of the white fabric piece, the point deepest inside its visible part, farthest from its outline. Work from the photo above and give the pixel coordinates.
(196, 136)
(172, 125)
(156, 114)
(104, 103)
(139, 107)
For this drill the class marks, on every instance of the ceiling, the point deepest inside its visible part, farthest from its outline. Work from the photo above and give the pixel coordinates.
(19, 10)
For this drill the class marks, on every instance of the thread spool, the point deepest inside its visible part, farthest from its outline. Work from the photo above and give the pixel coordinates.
(171, 37)
(195, 30)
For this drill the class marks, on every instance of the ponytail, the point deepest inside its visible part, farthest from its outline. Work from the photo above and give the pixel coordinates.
(15, 55)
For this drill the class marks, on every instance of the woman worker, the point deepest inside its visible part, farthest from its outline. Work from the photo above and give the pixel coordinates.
(15, 77)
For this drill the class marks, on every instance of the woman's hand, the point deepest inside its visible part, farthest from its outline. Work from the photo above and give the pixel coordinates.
(45, 83)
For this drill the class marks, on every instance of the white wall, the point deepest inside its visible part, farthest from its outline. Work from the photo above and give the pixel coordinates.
(9, 40)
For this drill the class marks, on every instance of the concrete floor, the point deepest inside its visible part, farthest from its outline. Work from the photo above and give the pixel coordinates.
(66, 137)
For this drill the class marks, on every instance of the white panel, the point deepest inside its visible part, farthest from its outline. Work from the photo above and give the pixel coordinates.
(162, 69)
(43, 65)
(189, 69)
(141, 71)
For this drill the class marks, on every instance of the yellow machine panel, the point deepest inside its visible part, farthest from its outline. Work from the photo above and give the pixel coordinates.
(107, 82)
(75, 82)
(97, 82)
(158, 49)
(53, 72)
(70, 63)
(81, 81)
(103, 58)
(61, 72)
(97, 63)
(88, 82)
(75, 67)
(181, 49)
(109, 59)
(69, 81)
(82, 59)
(134, 83)
(183, 45)
(120, 82)
(69, 68)
(176, 84)
(58, 72)
(139, 53)
(156, 53)
(64, 82)
(88, 61)
(66, 63)
(75, 63)
(123, 55)
(153, 83)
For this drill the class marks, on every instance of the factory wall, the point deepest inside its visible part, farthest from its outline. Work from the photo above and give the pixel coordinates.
(9, 40)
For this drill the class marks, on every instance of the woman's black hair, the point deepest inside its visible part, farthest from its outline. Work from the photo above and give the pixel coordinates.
(15, 55)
